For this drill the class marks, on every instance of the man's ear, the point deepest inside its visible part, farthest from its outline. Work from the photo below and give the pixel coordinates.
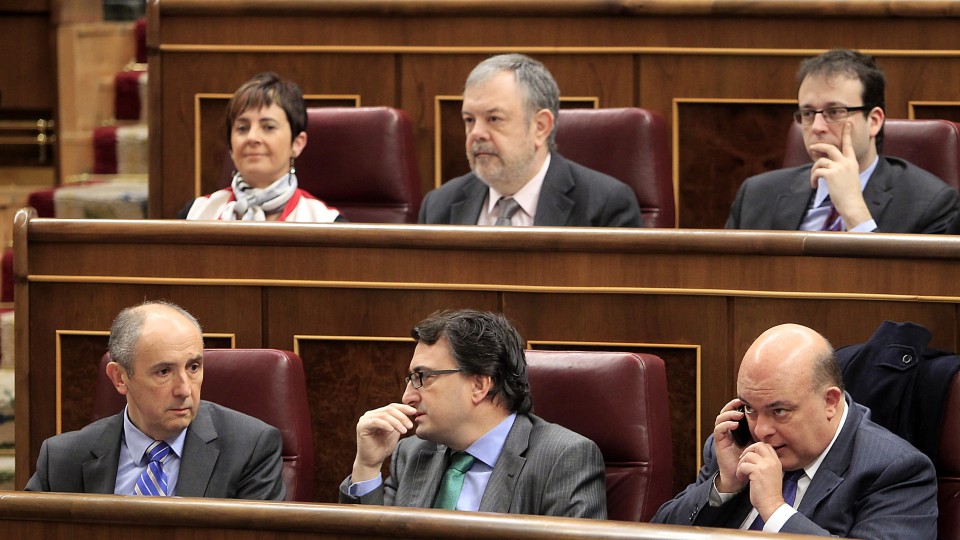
(875, 120)
(481, 388)
(118, 376)
(832, 397)
(543, 121)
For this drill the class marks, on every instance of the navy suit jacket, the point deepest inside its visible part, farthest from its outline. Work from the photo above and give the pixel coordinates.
(572, 195)
(901, 197)
(543, 469)
(226, 454)
(872, 484)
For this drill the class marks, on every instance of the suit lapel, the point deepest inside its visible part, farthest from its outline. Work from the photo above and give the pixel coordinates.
(501, 488)
(200, 453)
(830, 474)
(792, 206)
(877, 191)
(554, 206)
(100, 472)
(425, 479)
(466, 209)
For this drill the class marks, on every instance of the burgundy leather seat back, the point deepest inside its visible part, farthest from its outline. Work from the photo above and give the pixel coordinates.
(629, 144)
(267, 384)
(932, 145)
(619, 401)
(948, 466)
(360, 160)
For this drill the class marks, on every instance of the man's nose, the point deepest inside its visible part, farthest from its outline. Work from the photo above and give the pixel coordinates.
(763, 428)
(410, 394)
(181, 384)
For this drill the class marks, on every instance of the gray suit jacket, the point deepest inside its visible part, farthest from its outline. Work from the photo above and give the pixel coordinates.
(226, 454)
(543, 469)
(872, 484)
(902, 198)
(572, 195)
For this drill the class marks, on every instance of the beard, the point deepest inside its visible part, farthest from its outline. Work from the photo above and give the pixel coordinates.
(506, 174)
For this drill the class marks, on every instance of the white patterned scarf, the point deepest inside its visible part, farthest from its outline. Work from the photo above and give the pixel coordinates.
(253, 204)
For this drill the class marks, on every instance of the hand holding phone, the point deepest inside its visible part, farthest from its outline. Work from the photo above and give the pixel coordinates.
(742, 435)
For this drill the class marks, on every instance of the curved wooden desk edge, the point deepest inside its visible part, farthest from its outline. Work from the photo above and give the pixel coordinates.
(145, 513)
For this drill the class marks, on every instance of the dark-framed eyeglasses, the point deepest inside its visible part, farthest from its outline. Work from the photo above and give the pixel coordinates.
(416, 378)
(831, 115)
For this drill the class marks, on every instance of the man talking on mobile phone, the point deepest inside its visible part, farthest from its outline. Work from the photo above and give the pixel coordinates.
(816, 464)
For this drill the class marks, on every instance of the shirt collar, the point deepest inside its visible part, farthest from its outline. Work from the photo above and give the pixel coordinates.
(811, 469)
(822, 185)
(527, 197)
(137, 441)
(487, 448)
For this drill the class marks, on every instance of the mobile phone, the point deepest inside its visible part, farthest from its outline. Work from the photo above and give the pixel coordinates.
(742, 435)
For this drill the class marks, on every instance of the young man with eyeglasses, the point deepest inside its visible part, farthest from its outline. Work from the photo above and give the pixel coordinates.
(477, 447)
(849, 186)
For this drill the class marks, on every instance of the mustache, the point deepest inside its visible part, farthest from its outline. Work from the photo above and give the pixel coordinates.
(483, 149)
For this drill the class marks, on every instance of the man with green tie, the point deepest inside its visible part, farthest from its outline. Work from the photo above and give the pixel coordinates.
(477, 447)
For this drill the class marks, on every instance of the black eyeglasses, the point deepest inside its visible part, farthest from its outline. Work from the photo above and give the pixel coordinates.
(416, 378)
(831, 115)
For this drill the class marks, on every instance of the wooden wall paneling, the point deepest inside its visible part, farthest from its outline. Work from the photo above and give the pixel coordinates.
(925, 110)
(215, 72)
(842, 321)
(720, 143)
(697, 382)
(28, 77)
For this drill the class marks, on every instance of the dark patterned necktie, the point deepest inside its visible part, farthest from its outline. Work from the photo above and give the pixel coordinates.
(790, 480)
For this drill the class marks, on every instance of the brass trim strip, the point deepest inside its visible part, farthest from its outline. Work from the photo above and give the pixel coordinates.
(493, 287)
(911, 111)
(422, 49)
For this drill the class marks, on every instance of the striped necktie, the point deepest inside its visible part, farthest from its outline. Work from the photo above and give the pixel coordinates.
(153, 481)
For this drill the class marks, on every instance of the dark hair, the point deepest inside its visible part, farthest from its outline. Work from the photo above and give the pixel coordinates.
(263, 90)
(825, 370)
(125, 331)
(853, 64)
(536, 84)
(483, 343)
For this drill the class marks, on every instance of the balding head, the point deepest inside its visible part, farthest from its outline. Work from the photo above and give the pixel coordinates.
(791, 385)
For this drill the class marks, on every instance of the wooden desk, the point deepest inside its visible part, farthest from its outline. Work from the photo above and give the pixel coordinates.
(345, 297)
(55, 515)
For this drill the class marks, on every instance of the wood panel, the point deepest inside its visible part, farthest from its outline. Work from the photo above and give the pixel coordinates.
(649, 54)
(346, 295)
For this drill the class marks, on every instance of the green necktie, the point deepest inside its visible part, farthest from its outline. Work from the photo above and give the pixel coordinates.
(452, 484)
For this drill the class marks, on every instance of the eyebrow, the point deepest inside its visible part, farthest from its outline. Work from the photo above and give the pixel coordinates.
(779, 404)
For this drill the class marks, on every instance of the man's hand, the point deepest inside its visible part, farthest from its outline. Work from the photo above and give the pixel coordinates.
(378, 432)
(761, 466)
(840, 170)
(728, 453)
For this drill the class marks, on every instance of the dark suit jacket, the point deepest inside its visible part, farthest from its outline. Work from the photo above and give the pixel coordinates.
(543, 469)
(902, 198)
(572, 195)
(872, 484)
(226, 454)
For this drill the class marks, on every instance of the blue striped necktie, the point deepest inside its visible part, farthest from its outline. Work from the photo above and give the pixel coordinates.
(153, 481)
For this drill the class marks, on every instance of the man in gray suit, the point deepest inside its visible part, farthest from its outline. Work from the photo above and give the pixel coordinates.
(165, 441)
(845, 475)
(510, 107)
(477, 447)
(849, 186)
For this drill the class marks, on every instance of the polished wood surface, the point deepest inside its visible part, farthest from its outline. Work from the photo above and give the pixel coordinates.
(721, 72)
(50, 515)
(345, 297)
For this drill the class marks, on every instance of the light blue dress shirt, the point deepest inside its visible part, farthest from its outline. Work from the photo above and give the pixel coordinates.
(487, 451)
(818, 212)
(133, 461)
